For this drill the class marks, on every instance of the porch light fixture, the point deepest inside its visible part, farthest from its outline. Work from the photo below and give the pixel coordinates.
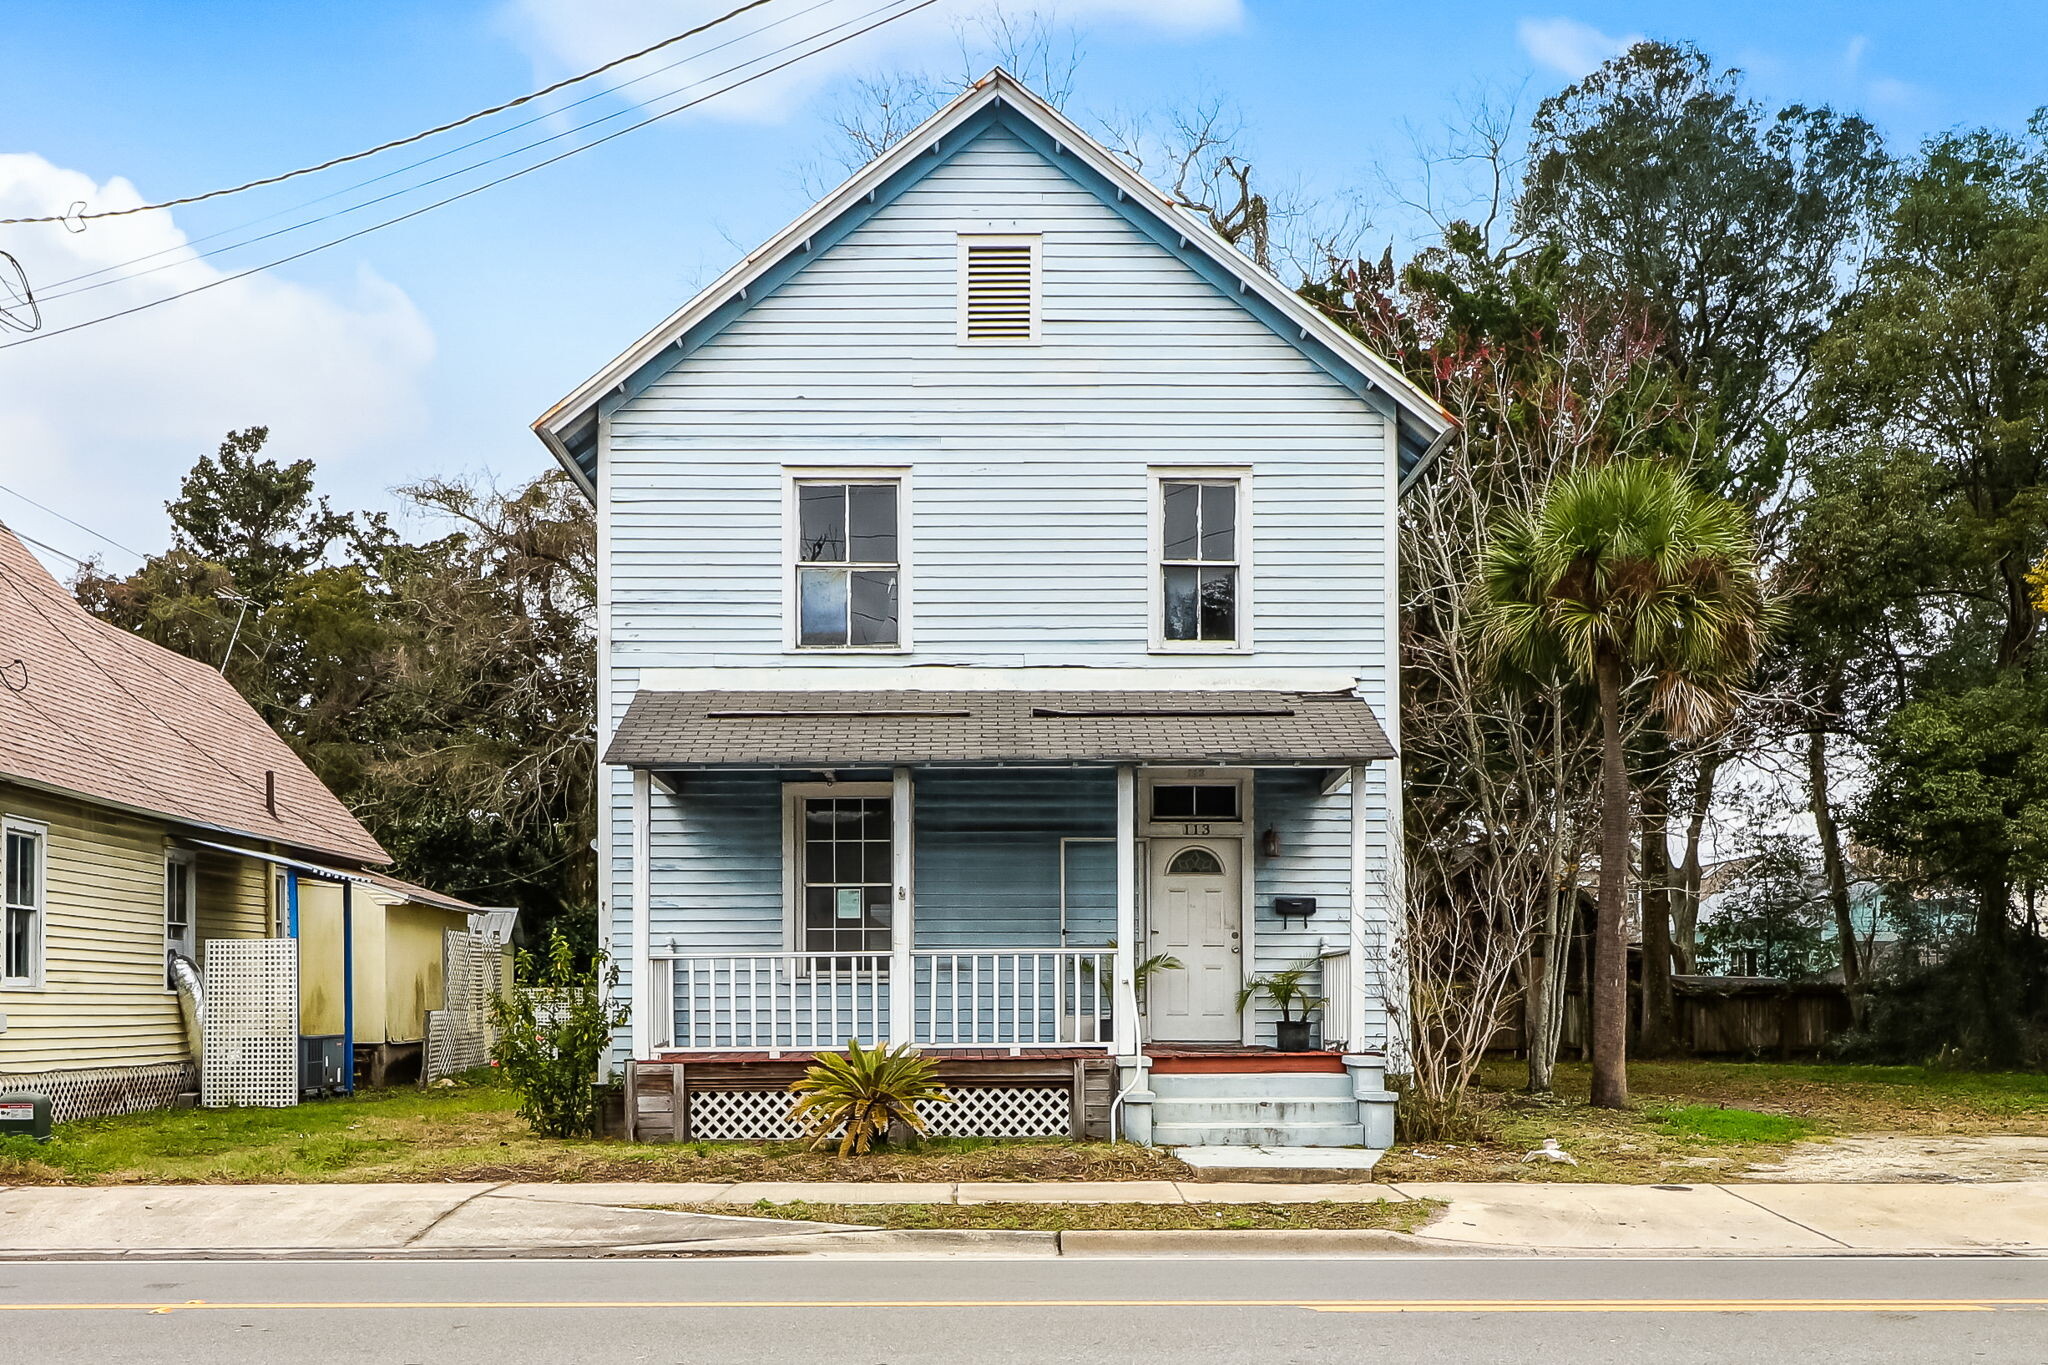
(1269, 842)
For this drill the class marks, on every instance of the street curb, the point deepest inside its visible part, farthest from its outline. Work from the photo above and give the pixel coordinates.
(1014, 1244)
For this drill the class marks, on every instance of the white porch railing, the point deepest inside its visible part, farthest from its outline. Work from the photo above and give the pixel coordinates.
(1013, 998)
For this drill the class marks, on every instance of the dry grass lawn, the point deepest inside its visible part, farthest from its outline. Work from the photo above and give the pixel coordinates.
(471, 1133)
(1380, 1215)
(1692, 1121)
(1713, 1120)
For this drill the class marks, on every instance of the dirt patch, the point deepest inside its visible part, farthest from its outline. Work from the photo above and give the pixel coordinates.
(1382, 1215)
(1907, 1158)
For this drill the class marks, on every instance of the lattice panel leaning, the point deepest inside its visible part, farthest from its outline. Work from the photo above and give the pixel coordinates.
(251, 1048)
(116, 1090)
(976, 1111)
(459, 1034)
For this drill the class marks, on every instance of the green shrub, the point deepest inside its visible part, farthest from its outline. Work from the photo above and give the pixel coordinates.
(861, 1094)
(553, 1031)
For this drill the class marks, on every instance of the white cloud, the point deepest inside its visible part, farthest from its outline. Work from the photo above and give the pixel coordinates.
(101, 423)
(1568, 47)
(573, 35)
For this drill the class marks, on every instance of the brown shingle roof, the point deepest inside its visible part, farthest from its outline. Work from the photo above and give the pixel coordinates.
(108, 715)
(843, 729)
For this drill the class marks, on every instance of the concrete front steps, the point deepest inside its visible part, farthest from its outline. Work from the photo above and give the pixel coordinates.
(1256, 1109)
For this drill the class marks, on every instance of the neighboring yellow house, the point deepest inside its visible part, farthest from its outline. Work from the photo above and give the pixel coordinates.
(145, 810)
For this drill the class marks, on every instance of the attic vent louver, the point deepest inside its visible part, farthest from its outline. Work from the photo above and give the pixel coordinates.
(998, 289)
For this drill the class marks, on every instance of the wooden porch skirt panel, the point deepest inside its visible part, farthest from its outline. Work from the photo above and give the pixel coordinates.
(658, 1094)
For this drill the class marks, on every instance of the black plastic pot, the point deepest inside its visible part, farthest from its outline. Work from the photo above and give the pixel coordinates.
(1292, 1035)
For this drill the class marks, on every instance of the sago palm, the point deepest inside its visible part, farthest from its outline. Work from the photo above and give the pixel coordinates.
(861, 1094)
(1622, 574)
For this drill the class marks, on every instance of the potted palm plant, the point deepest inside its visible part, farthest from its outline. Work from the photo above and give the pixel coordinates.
(1290, 993)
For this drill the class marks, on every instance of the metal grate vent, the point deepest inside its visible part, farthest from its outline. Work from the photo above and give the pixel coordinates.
(999, 297)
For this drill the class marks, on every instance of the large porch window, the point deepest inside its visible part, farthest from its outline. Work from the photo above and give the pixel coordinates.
(844, 875)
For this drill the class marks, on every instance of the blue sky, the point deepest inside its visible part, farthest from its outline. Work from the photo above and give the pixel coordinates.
(426, 348)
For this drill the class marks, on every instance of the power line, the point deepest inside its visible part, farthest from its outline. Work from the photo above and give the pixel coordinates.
(478, 189)
(63, 293)
(396, 142)
(99, 535)
(46, 545)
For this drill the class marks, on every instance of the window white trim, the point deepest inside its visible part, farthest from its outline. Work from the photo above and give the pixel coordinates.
(1035, 276)
(187, 870)
(794, 794)
(793, 477)
(1155, 521)
(39, 930)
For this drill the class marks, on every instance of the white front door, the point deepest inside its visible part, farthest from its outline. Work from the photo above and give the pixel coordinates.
(1194, 907)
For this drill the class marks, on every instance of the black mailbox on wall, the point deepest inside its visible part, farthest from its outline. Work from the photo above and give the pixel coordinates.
(1294, 907)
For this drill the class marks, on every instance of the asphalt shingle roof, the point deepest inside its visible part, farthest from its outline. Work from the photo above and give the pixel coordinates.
(846, 729)
(91, 709)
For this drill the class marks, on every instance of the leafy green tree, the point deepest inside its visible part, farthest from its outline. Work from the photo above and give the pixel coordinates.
(256, 518)
(1942, 358)
(1663, 184)
(1959, 790)
(1626, 575)
(443, 689)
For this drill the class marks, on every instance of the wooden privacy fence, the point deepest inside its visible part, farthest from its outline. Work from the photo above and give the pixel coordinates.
(1722, 1016)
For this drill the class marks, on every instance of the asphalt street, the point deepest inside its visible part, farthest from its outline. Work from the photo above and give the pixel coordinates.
(907, 1312)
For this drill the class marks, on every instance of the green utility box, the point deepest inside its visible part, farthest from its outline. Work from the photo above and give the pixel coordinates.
(23, 1113)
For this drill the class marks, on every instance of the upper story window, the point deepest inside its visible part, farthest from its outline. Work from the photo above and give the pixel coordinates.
(848, 566)
(1200, 546)
(998, 289)
(21, 904)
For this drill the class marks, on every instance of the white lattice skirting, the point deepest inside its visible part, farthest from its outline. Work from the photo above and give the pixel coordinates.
(976, 1111)
(115, 1090)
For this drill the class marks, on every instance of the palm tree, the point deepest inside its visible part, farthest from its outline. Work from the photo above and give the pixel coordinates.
(1625, 574)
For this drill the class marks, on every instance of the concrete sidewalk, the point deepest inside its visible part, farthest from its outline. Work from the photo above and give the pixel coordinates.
(611, 1219)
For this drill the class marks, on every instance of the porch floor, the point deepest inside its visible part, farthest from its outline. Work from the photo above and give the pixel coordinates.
(1236, 1058)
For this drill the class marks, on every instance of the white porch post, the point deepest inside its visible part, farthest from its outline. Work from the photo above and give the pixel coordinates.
(643, 995)
(1360, 939)
(1124, 1007)
(902, 985)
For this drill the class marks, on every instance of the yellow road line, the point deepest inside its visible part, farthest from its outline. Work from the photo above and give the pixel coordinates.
(1966, 1305)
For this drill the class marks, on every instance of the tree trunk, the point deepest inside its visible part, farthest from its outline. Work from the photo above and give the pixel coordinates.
(1610, 923)
(1686, 938)
(1835, 870)
(1660, 1010)
(1544, 1030)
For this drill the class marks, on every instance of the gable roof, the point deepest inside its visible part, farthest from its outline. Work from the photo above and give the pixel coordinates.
(92, 710)
(569, 428)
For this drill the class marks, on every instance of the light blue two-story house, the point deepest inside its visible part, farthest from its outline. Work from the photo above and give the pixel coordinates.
(997, 595)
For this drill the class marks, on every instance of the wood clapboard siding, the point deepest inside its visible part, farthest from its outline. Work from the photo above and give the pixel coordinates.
(987, 846)
(1026, 526)
(1028, 514)
(103, 1002)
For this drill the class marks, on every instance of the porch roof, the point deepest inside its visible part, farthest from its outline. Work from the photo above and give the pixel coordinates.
(847, 729)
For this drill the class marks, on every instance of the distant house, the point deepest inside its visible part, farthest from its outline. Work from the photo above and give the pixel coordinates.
(148, 812)
(996, 596)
